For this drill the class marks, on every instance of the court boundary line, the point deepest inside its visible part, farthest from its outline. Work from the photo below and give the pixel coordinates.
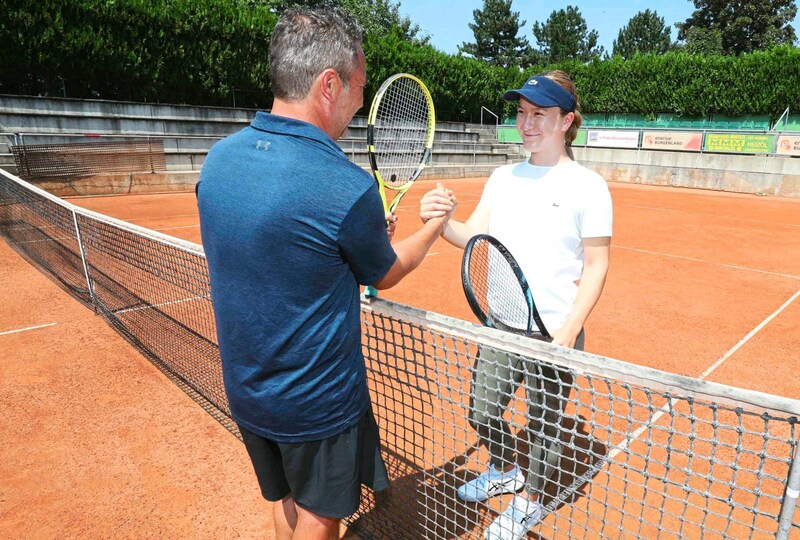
(749, 336)
(623, 445)
(691, 259)
(688, 212)
(448, 248)
(27, 329)
(176, 227)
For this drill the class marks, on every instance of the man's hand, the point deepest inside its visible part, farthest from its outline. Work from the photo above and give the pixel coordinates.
(391, 224)
(437, 203)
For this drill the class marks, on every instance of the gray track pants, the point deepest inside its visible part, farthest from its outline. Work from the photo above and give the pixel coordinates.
(494, 381)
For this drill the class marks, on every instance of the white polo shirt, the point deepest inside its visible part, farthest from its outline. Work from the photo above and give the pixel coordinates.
(541, 214)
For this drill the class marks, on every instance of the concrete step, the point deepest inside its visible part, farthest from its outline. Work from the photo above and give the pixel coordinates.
(189, 132)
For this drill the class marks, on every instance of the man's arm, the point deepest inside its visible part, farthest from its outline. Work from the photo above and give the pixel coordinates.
(411, 251)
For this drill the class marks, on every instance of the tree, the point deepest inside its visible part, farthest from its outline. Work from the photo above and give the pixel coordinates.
(496, 41)
(565, 36)
(644, 33)
(745, 25)
(701, 40)
(375, 16)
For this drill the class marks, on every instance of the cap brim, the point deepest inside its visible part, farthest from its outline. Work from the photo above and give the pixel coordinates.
(534, 97)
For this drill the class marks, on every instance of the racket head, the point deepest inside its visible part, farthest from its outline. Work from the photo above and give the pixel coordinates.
(400, 129)
(496, 288)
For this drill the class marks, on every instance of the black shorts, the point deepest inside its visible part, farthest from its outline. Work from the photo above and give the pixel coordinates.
(324, 477)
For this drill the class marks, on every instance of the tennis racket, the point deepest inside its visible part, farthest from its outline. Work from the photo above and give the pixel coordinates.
(400, 129)
(497, 290)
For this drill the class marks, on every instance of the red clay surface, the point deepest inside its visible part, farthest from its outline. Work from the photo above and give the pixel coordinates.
(98, 443)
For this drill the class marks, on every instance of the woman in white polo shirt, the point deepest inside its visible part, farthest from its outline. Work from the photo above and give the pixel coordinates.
(555, 217)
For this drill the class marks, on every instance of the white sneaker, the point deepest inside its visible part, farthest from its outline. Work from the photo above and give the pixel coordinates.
(513, 524)
(492, 482)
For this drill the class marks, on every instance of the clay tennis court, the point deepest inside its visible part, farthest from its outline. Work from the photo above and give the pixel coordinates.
(100, 444)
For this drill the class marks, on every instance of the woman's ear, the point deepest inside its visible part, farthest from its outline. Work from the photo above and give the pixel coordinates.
(568, 119)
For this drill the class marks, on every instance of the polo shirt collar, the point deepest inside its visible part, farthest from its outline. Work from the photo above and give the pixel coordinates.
(282, 125)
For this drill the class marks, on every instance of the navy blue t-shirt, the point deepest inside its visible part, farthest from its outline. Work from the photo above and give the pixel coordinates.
(290, 228)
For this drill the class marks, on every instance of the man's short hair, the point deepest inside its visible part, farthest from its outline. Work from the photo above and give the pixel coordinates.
(306, 42)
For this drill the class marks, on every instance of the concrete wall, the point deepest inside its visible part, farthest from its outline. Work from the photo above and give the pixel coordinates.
(739, 174)
(762, 175)
(189, 132)
(459, 151)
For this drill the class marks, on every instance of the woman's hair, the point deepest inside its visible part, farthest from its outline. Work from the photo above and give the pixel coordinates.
(564, 81)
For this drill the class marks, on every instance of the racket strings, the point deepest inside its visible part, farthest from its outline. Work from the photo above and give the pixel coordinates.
(496, 288)
(402, 126)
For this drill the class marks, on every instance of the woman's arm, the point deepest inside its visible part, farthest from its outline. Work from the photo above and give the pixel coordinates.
(595, 267)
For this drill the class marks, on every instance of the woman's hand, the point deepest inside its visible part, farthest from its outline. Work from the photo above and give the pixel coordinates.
(437, 203)
(565, 337)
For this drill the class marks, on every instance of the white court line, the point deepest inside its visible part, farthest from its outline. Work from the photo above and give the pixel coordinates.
(691, 259)
(730, 218)
(443, 252)
(159, 218)
(680, 257)
(170, 303)
(27, 329)
(635, 435)
(176, 227)
(747, 338)
(56, 239)
(623, 446)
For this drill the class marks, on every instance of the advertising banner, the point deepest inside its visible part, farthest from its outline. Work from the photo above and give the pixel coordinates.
(739, 143)
(609, 138)
(508, 134)
(789, 145)
(672, 140)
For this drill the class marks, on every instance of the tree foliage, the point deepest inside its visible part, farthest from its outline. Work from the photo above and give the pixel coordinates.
(375, 16)
(202, 51)
(565, 36)
(644, 33)
(178, 51)
(701, 40)
(496, 30)
(745, 25)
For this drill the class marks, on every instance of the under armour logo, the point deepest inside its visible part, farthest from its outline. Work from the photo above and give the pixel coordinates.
(533, 82)
(262, 145)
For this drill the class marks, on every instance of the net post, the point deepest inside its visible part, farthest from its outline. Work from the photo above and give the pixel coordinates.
(790, 499)
(89, 287)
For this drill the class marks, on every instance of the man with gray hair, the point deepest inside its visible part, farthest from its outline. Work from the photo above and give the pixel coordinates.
(291, 228)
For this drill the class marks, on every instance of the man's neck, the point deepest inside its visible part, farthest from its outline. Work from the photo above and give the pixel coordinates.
(303, 110)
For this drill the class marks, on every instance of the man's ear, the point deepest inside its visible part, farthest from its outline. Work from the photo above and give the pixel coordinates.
(329, 84)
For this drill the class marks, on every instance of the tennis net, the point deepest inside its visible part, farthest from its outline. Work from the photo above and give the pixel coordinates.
(641, 453)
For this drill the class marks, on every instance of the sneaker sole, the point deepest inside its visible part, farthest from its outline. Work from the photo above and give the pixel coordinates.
(514, 488)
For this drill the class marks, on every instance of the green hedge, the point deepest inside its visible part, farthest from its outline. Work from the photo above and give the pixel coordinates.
(762, 82)
(205, 51)
(172, 51)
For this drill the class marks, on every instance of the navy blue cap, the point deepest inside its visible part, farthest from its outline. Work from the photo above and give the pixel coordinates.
(544, 92)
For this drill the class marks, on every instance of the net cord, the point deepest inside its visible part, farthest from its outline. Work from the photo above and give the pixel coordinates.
(583, 362)
(183, 245)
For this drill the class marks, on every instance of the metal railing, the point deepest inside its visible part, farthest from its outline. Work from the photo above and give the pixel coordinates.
(496, 119)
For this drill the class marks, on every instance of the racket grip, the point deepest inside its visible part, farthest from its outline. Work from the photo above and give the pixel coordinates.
(370, 291)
